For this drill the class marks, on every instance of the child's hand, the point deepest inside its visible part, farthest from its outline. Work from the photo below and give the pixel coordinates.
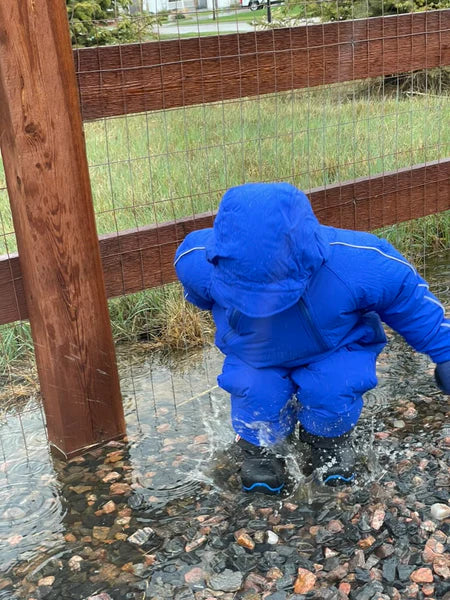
(442, 376)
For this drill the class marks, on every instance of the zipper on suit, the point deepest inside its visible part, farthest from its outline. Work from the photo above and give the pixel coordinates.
(312, 326)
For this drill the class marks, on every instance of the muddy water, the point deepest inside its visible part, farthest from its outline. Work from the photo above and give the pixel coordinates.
(175, 464)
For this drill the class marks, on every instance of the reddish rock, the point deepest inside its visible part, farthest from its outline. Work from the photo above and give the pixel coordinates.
(428, 589)
(412, 591)
(163, 427)
(111, 476)
(194, 544)
(441, 566)
(345, 588)
(366, 542)
(13, 540)
(118, 489)
(335, 526)
(305, 581)
(377, 519)
(195, 575)
(109, 507)
(381, 435)
(114, 457)
(410, 413)
(423, 575)
(244, 540)
(255, 582)
(433, 549)
(376, 574)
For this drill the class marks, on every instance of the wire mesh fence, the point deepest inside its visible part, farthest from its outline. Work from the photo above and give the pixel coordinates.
(187, 104)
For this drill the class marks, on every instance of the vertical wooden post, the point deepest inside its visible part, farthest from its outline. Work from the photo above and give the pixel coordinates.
(48, 183)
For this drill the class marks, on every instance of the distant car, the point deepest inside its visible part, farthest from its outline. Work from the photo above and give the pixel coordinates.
(257, 4)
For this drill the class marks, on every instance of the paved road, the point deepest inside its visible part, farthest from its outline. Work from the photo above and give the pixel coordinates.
(231, 27)
(217, 26)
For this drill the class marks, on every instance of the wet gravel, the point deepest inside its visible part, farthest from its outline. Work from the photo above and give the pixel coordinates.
(161, 515)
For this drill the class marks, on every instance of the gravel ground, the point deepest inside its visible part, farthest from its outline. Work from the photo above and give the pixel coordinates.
(161, 515)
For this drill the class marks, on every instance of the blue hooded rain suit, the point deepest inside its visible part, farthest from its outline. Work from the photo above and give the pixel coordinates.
(298, 309)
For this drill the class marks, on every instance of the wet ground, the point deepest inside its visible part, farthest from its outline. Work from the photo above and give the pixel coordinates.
(162, 515)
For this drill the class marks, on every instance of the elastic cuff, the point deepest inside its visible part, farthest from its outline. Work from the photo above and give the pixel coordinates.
(314, 424)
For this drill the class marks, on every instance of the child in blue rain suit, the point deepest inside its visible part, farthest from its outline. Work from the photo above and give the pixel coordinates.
(298, 309)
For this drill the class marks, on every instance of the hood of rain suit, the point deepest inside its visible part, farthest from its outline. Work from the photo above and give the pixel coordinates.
(267, 243)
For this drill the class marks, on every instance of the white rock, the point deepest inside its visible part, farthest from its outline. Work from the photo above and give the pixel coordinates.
(141, 536)
(440, 511)
(272, 537)
(377, 519)
(75, 563)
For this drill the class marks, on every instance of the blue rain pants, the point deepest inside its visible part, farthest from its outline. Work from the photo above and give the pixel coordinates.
(324, 396)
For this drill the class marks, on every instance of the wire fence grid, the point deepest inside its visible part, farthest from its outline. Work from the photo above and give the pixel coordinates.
(166, 165)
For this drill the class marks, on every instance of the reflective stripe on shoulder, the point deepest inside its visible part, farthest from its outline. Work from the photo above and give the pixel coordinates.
(403, 262)
(187, 252)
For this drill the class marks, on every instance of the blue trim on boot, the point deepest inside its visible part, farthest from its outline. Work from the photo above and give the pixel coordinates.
(276, 490)
(340, 477)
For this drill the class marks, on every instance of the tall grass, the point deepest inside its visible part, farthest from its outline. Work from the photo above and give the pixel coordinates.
(156, 167)
(160, 166)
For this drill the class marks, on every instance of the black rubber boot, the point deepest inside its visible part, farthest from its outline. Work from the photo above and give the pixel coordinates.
(333, 459)
(262, 471)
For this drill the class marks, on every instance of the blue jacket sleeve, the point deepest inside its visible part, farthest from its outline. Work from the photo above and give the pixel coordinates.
(389, 284)
(193, 270)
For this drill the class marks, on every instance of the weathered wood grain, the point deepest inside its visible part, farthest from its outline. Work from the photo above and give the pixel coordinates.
(139, 259)
(51, 202)
(117, 80)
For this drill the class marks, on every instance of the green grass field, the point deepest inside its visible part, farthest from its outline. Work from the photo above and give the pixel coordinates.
(228, 17)
(156, 167)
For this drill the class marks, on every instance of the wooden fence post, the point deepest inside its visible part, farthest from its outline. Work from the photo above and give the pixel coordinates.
(48, 183)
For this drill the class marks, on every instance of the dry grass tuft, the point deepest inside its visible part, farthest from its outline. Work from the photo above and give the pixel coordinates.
(182, 325)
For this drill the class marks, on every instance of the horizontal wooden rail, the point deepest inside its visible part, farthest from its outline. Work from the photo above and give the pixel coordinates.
(131, 78)
(139, 259)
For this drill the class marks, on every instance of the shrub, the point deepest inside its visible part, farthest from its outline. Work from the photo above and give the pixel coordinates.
(332, 10)
(103, 22)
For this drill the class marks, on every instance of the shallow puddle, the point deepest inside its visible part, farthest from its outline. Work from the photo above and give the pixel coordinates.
(114, 519)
